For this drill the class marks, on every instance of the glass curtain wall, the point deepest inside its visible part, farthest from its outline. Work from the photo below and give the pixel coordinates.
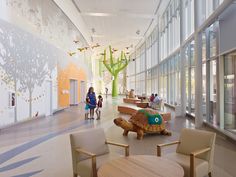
(170, 29)
(190, 77)
(154, 80)
(207, 8)
(230, 92)
(209, 73)
(174, 80)
(158, 63)
(131, 72)
(140, 63)
(204, 83)
(188, 17)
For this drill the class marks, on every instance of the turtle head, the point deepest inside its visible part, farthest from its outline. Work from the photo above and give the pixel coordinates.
(120, 121)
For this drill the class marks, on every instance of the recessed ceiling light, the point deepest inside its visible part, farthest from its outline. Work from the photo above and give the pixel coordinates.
(98, 14)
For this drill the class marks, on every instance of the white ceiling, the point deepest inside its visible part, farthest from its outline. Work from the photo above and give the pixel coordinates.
(116, 21)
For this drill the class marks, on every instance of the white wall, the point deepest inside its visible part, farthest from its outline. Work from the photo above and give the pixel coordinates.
(36, 27)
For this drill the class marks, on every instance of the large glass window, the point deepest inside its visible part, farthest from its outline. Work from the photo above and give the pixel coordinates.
(230, 92)
(130, 82)
(142, 59)
(148, 53)
(149, 82)
(154, 75)
(213, 89)
(207, 7)
(177, 80)
(170, 29)
(188, 17)
(213, 39)
(190, 77)
(131, 66)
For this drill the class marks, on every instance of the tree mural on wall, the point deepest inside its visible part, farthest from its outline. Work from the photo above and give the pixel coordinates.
(114, 66)
(9, 54)
(26, 60)
(40, 63)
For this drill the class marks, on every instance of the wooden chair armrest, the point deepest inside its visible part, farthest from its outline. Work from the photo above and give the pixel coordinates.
(201, 151)
(93, 158)
(120, 145)
(165, 144)
(192, 159)
(79, 150)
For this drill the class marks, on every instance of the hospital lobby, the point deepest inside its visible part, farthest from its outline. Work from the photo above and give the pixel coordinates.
(117, 88)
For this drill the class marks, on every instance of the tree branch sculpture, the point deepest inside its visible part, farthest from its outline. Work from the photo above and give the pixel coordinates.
(114, 66)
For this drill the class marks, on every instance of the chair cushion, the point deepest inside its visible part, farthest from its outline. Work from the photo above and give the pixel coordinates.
(84, 167)
(92, 140)
(201, 166)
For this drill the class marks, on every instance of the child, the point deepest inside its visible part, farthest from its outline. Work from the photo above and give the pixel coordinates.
(99, 106)
(86, 108)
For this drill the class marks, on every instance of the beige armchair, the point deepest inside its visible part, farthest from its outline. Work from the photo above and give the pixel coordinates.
(195, 151)
(90, 150)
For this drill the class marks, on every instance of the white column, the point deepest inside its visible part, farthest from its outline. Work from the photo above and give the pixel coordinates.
(145, 54)
(182, 63)
(158, 60)
(198, 70)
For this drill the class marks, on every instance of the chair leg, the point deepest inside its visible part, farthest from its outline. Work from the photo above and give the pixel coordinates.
(209, 174)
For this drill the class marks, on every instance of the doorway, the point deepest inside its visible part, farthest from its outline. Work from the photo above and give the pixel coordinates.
(73, 92)
(48, 98)
(82, 91)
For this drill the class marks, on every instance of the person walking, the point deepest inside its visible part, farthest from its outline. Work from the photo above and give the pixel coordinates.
(106, 90)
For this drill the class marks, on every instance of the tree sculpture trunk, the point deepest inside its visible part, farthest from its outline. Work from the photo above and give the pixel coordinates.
(115, 86)
(114, 66)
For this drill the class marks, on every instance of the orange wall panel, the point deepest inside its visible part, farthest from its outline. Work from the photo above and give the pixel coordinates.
(64, 76)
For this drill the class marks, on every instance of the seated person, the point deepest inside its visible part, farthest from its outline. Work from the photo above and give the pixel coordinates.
(151, 99)
(157, 99)
(131, 93)
(156, 102)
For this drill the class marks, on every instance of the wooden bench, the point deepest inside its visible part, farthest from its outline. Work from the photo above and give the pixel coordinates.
(132, 110)
(131, 100)
(127, 110)
(142, 104)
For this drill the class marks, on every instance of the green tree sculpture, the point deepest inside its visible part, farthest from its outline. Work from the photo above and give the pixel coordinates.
(114, 66)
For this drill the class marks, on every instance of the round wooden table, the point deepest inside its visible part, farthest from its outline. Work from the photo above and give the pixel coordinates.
(141, 166)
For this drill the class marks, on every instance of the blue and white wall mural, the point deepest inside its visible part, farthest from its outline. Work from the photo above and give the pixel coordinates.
(35, 38)
(26, 62)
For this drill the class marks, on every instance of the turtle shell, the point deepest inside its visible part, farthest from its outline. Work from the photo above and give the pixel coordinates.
(140, 119)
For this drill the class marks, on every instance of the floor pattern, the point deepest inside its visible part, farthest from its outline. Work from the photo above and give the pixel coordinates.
(41, 147)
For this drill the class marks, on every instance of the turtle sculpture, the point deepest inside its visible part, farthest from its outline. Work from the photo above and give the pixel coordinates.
(143, 121)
